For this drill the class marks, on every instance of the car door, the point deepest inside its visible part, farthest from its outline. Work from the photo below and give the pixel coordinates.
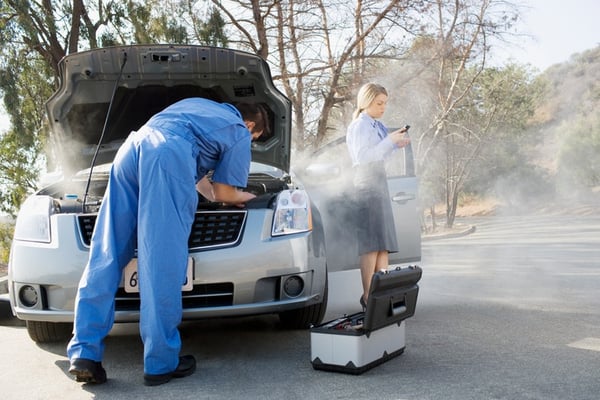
(328, 179)
(403, 190)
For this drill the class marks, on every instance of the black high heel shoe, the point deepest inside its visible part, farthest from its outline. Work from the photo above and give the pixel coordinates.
(363, 303)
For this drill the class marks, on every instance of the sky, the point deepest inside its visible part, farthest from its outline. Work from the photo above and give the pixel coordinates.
(554, 29)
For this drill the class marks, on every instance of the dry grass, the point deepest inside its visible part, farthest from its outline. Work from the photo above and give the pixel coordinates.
(471, 207)
(474, 207)
(478, 207)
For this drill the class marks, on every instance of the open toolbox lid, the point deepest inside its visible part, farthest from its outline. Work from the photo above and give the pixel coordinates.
(392, 297)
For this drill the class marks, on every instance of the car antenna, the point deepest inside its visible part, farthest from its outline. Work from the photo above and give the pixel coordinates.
(112, 99)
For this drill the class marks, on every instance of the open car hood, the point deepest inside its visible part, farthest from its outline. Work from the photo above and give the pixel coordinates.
(153, 77)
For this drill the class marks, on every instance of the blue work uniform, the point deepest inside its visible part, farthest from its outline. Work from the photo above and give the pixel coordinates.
(151, 197)
(369, 145)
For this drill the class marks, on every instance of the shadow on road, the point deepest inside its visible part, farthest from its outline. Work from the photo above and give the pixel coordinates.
(6, 316)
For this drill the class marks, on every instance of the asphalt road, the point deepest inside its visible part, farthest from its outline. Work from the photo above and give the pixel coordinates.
(511, 311)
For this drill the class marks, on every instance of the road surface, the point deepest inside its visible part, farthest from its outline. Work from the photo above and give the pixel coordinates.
(511, 311)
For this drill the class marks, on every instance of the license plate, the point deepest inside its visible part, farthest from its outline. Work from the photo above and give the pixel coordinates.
(131, 282)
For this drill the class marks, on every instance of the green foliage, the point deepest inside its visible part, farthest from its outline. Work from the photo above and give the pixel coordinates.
(17, 172)
(482, 149)
(150, 26)
(570, 123)
(6, 234)
(482, 138)
(507, 173)
(25, 82)
(504, 100)
(33, 39)
(579, 157)
(212, 32)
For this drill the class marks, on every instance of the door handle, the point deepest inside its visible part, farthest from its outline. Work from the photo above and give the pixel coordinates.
(402, 197)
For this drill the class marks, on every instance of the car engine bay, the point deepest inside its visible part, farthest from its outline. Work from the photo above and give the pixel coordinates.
(68, 196)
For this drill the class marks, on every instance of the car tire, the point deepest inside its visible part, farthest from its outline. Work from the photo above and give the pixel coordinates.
(304, 318)
(48, 332)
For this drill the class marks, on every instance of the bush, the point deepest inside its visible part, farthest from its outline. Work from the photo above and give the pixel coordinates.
(6, 234)
(579, 157)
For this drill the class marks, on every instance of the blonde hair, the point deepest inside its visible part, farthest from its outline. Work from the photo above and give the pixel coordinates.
(365, 97)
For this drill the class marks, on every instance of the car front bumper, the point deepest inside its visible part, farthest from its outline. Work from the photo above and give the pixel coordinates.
(260, 275)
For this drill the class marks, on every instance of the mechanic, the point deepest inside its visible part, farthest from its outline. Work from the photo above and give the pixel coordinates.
(151, 200)
(369, 144)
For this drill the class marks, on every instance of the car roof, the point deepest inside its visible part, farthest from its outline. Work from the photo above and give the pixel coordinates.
(142, 80)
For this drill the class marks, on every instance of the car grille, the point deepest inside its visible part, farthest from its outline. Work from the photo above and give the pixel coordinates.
(206, 295)
(210, 228)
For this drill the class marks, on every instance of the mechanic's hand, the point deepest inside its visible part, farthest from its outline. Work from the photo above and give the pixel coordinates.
(231, 195)
(248, 196)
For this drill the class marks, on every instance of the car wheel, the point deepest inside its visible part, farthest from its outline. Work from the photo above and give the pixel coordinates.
(303, 318)
(46, 332)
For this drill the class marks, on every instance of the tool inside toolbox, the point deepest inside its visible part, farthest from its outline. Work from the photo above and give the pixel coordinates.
(347, 323)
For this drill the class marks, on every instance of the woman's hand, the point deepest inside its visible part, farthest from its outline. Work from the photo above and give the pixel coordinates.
(399, 137)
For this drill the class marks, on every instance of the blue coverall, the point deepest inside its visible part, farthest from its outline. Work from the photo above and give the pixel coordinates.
(151, 195)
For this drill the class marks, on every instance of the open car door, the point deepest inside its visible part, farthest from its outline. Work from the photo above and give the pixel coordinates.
(328, 179)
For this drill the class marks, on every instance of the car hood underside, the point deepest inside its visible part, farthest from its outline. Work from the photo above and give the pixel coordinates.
(143, 80)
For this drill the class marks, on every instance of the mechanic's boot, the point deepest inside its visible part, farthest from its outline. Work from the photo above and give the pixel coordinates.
(186, 367)
(88, 371)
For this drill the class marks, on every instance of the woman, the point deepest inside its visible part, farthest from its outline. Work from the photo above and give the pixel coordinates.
(369, 144)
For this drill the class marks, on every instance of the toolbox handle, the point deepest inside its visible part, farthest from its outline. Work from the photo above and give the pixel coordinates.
(399, 307)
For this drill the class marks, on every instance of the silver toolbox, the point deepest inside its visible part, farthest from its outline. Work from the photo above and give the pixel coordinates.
(358, 342)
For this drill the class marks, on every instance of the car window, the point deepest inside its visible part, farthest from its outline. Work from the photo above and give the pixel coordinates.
(395, 164)
(400, 163)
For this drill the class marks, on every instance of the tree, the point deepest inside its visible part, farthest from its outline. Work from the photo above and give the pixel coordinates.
(26, 87)
(34, 36)
(579, 156)
(437, 48)
(448, 66)
(6, 234)
(318, 57)
(495, 111)
(211, 32)
(570, 121)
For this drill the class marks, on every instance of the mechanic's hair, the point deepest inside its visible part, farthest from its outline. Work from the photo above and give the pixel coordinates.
(365, 97)
(257, 114)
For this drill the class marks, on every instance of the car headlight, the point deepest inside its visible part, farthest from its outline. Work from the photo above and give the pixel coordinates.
(33, 221)
(292, 213)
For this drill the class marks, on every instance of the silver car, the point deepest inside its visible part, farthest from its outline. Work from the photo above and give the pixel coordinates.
(267, 258)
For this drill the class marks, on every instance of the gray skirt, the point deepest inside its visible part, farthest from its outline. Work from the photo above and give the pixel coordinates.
(376, 230)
